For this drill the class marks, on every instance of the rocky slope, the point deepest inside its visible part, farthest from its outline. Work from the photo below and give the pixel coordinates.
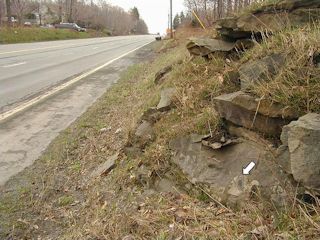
(255, 122)
(172, 166)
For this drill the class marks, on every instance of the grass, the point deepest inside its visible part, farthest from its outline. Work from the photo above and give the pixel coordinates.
(258, 5)
(298, 82)
(34, 34)
(60, 201)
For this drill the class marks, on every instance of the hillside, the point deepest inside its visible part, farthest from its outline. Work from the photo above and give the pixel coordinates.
(161, 155)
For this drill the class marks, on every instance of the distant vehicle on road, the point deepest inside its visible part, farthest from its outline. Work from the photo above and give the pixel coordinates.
(27, 24)
(158, 37)
(72, 26)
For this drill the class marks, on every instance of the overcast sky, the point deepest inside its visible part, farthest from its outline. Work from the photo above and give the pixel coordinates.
(153, 12)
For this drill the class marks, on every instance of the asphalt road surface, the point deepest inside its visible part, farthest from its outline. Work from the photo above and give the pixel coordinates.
(28, 69)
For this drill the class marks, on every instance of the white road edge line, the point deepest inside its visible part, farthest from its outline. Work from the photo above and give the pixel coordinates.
(14, 65)
(41, 48)
(35, 100)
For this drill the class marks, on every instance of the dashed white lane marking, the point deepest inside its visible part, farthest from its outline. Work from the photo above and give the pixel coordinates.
(35, 100)
(14, 65)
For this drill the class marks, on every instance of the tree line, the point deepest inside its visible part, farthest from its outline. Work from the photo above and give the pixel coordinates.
(210, 10)
(97, 15)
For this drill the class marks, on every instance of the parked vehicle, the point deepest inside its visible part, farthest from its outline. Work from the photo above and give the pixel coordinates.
(72, 26)
(27, 24)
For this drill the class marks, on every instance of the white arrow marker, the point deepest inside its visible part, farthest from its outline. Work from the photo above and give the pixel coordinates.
(248, 169)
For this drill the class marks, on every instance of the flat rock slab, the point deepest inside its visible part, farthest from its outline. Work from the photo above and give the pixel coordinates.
(246, 111)
(220, 168)
(302, 139)
(205, 46)
(105, 167)
(217, 167)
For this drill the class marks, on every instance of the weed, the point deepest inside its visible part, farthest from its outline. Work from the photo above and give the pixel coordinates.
(65, 200)
(297, 84)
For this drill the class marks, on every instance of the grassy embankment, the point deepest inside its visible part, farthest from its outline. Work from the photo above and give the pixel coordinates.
(57, 199)
(35, 34)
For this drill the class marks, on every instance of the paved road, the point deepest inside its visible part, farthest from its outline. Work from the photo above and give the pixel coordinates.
(27, 69)
(26, 135)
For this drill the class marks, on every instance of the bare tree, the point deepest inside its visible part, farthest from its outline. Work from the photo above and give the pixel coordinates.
(19, 7)
(211, 10)
(2, 11)
(97, 14)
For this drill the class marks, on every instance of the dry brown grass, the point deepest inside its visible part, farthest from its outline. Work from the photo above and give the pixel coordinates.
(64, 204)
(298, 83)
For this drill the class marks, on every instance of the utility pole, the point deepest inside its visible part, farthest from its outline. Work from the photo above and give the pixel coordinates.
(8, 6)
(39, 12)
(171, 29)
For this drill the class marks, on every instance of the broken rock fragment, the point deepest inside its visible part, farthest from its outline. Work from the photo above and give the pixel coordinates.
(166, 99)
(302, 140)
(161, 74)
(105, 167)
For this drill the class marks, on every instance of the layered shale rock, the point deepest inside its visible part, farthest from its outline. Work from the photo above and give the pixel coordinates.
(258, 114)
(269, 18)
(204, 46)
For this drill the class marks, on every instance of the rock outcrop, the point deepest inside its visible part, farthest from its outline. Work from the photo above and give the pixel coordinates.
(204, 46)
(218, 160)
(217, 167)
(300, 153)
(222, 168)
(258, 114)
(269, 18)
